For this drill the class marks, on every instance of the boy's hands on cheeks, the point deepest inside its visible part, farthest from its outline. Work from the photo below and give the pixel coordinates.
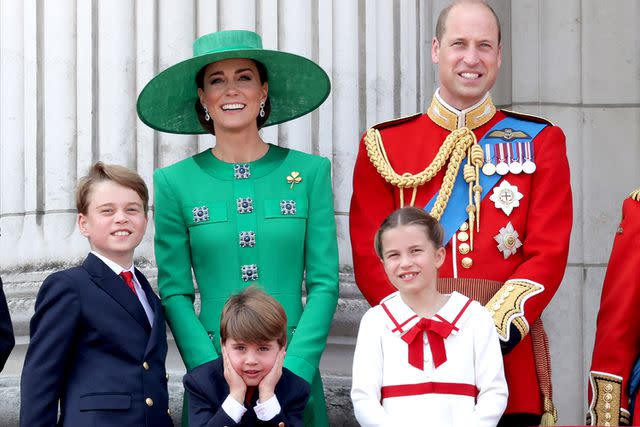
(267, 386)
(237, 387)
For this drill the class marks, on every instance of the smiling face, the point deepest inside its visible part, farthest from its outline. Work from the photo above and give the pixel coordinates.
(468, 55)
(410, 258)
(252, 361)
(232, 92)
(114, 222)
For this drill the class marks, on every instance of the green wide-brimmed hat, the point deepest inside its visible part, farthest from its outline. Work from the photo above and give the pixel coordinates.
(297, 85)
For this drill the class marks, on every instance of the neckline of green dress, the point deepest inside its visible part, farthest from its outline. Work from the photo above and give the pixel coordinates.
(226, 171)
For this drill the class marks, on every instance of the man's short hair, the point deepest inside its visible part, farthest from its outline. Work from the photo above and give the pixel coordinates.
(444, 14)
(253, 316)
(100, 172)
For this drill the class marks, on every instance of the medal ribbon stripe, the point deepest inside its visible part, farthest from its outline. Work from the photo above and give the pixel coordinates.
(455, 213)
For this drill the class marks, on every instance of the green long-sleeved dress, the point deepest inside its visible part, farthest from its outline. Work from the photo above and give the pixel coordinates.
(268, 222)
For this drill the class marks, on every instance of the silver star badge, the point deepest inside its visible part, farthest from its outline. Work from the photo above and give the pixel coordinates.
(508, 241)
(506, 197)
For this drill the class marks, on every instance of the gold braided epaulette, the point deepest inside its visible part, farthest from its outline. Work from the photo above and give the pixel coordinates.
(528, 117)
(635, 195)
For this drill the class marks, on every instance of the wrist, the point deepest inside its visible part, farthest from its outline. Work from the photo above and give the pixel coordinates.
(265, 393)
(238, 394)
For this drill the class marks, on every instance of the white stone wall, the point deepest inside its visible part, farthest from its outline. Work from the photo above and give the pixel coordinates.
(70, 72)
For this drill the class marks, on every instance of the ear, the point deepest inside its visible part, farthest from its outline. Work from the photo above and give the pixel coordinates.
(435, 50)
(441, 254)
(265, 90)
(82, 225)
(201, 96)
(499, 55)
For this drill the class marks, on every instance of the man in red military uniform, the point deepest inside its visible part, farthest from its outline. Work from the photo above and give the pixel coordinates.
(497, 181)
(617, 344)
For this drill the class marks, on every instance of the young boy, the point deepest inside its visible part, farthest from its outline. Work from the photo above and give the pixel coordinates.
(98, 340)
(248, 386)
(7, 340)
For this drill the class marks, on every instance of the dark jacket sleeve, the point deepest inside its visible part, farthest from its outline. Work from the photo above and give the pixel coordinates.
(293, 394)
(206, 391)
(7, 340)
(47, 362)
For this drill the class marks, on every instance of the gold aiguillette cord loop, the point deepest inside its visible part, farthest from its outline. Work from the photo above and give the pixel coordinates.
(453, 149)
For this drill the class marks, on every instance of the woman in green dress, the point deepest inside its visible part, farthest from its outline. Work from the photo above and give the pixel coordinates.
(244, 212)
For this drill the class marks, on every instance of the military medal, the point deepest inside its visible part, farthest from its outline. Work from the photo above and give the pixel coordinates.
(528, 166)
(488, 168)
(508, 241)
(501, 168)
(506, 197)
(515, 167)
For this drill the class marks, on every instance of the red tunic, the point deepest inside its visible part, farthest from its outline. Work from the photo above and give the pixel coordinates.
(617, 343)
(543, 221)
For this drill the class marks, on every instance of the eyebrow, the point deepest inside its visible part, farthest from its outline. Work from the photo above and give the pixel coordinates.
(238, 71)
(111, 204)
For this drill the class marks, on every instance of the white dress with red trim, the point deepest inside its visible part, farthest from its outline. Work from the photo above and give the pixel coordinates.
(461, 380)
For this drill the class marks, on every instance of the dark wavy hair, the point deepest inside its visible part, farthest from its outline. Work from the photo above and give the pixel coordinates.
(209, 125)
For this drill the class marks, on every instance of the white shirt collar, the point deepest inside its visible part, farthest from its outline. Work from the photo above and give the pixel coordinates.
(114, 265)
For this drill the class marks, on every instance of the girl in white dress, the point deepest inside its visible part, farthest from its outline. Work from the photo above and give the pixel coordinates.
(424, 358)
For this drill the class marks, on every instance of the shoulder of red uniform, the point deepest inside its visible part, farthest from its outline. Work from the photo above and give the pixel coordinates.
(396, 122)
(527, 117)
(635, 195)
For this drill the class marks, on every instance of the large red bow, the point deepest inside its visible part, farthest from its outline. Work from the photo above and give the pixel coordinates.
(436, 333)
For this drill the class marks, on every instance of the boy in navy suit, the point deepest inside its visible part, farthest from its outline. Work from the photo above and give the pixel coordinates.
(248, 386)
(98, 340)
(7, 340)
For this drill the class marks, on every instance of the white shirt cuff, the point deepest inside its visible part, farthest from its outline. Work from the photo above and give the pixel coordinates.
(267, 410)
(234, 409)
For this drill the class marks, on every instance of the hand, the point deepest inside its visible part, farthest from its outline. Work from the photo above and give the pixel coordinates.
(268, 384)
(237, 387)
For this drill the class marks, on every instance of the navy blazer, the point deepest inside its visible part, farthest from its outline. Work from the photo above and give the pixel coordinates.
(92, 348)
(7, 340)
(207, 389)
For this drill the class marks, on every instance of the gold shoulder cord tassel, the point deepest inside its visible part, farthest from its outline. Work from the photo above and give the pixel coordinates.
(477, 159)
(454, 149)
(550, 416)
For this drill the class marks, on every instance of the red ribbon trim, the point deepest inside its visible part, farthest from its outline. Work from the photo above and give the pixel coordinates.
(436, 333)
(403, 390)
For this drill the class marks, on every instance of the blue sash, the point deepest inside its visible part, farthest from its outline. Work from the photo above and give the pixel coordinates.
(634, 385)
(455, 213)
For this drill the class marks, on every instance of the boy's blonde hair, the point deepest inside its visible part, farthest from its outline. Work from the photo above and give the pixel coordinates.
(100, 172)
(253, 316)
(410, 216)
